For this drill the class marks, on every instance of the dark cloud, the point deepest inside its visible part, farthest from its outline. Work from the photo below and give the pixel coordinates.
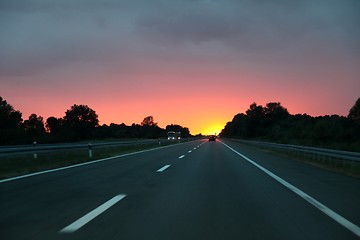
(38, 35)
(253, 23)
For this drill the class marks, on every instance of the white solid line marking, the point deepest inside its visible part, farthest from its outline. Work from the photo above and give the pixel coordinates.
(189, 151)
(91, 215)
(82, 164)
(335, 216)
(181, 156)
(163, 168)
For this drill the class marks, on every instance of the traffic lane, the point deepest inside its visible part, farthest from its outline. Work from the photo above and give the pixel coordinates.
(106, 225)
(262, 208)
(213, 194)
(76, 187)
(38, 206)
(338, 192)
(109, 224)
(73, 171)
(38, 179)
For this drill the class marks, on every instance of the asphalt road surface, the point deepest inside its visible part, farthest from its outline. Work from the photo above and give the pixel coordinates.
(193, 190)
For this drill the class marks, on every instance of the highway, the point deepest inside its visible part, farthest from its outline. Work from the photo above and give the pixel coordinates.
(192, 190)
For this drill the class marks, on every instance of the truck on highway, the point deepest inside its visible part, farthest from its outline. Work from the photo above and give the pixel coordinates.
(174, 135)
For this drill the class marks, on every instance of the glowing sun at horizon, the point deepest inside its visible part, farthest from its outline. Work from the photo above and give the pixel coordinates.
(213, 129)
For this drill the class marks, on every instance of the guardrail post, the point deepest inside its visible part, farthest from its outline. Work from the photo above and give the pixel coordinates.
(159, 142)
(90, 150)
(34, 145)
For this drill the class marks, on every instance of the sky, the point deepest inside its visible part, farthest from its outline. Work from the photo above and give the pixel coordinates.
(195, 63)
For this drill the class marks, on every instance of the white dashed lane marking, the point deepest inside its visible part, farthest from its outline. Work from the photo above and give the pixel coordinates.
(93, 214)
(163, 168)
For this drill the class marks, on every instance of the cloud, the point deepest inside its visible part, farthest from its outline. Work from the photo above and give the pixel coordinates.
(38, 35)
(254, 24)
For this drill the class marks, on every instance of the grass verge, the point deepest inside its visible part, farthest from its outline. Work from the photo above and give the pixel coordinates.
(12, 166)
(346, 167)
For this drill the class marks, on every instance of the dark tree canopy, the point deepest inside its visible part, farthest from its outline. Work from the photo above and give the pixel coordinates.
(255, 111)
(173, 128)
(34, 126)
(275, 109)
(354, 112)
(10, 121)
(82, 120)
(9, 118)
(53, 125)
(274, 123)
(148, 121)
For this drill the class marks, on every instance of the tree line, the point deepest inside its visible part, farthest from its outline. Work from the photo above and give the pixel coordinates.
(79, 123)
(274, 123)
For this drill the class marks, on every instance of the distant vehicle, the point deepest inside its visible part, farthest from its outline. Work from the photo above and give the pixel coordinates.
(174, 135)
(212, 138)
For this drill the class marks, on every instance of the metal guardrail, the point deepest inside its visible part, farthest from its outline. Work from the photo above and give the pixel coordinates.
(39, 148)
(344, 155)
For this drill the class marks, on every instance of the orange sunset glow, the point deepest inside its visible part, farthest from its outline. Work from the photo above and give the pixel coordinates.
(178, 64)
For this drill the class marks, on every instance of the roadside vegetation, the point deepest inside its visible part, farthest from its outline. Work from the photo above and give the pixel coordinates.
(79, 123)
(274, 123)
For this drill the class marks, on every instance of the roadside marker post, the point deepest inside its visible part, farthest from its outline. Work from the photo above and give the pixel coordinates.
(34, 145)
(90, 150)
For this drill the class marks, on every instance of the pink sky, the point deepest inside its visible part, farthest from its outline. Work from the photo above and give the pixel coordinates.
(193, 63)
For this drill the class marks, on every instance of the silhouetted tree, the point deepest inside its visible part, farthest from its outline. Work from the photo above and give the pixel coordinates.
(185, 132)
(295, 128)
(354, 112)
(79, 122)
(274, 109)
(274, 123)
(148, 121)
(275, 120)
(227, 130)
(135, 130)
(173, 128)
(10, 121)
(150, 129)
(240, 125)
(255, 111)
(9, 118)
(255, 116)
(121, 131)
(82, 120)
(34, 127)
(53, 125)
